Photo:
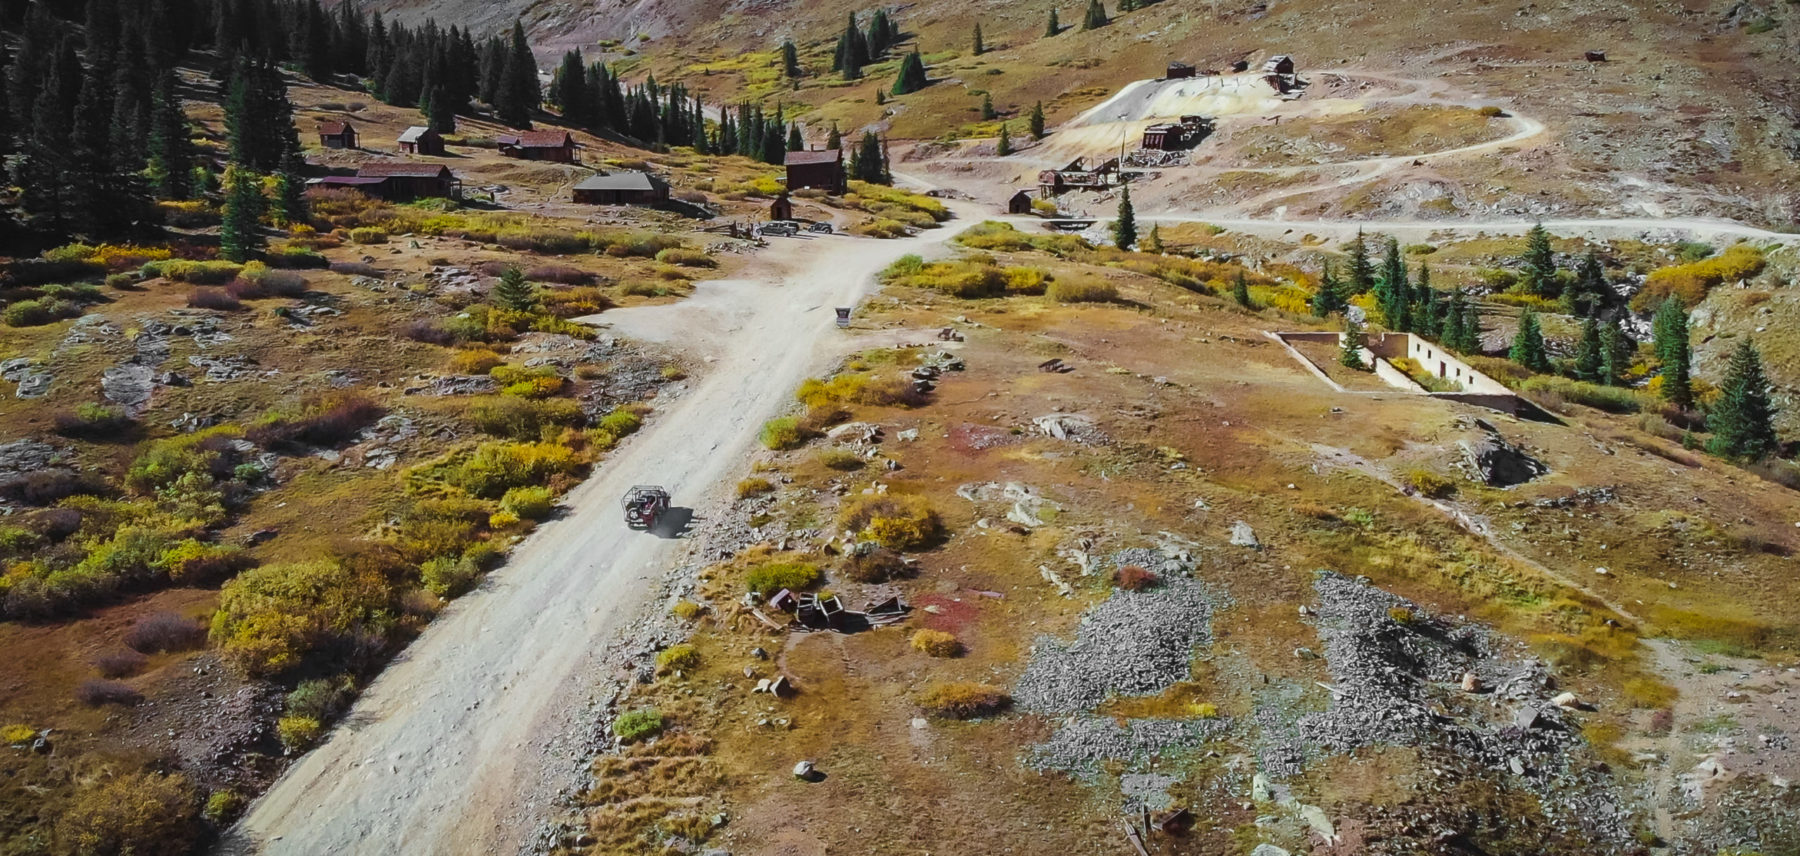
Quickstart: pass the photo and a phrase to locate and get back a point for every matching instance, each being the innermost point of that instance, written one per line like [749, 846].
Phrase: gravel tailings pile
[1083, 743]
[1134, 643]
[1396, 674]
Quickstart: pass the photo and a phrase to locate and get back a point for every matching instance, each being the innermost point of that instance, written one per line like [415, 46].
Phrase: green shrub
[686, 258]
[27, 313]
[635, 725]
[1430, 484]
[193, 272]
[842, 460]
[223, 806]
[621, 422]
[767, 579]
[1550, 390]
[319, 698]
[782, 434]
[518, 418]
[495, 467]
[368, 235]
[270, 618]
[678, 658]
[449, 576]
[530, 502]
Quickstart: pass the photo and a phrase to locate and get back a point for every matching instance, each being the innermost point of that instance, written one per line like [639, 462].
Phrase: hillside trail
[458, 747]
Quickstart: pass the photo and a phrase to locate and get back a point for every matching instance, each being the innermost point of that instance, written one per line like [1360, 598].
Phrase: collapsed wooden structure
[1076, 176]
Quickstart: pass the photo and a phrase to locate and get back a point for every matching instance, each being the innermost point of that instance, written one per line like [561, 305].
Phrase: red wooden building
[337, 135]
[555, 146]
[823, 169]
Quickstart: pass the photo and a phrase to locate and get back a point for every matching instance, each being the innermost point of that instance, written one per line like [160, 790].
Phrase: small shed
[420, 140]
[1179, 70]
[555, 146]
[820, 168]
[337, 135]
[782, 208]
[1020, 203]
[1279, 64]
[622, 188]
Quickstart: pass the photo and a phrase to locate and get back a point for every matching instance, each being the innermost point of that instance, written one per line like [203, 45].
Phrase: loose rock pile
[1497, 463]
[1083, 743]
[1135, 643]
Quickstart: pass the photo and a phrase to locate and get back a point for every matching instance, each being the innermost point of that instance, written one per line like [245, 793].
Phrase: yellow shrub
[682, 658]
[894, 521]
[136, 813]
[1083, 290]
[963, 700]
[782, 434]
[1690, 282]
[1025, 280]
[1430, 484]
[298, 732]
[936, 643]
[502, 519]
[474, 362]
[686, 610]
[368, 235]
[754, 486]
[17, 734]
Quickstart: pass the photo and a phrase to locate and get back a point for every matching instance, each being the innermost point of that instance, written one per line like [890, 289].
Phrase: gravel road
[453, 748]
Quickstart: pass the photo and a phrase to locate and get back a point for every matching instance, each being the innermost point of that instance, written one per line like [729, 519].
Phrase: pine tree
[517, 96]
[1393, 293]
[1359, 272]
[1589, 294]
[1451, 333]
[1037, 121]
[1528, 344]
[239, 235]
[1471, 329]
[1095, 17]
[790, 60]
[1669, 330]
[1590, 357]
[852, 51]
[512, 292]
[794, 141]
[1426, 317]
[1328, 298]
[1125, 227]
[882, 34]
[1152, 243]
[1615, 353]
[1240, 291]
[978, 47]
[1054, 27]
[912, 75]
[1743, 422]
[290, 198]
[987, 107]
[1003, 146]
[1537, 273]
[1350, 345]
[871, 164]
[835, 139]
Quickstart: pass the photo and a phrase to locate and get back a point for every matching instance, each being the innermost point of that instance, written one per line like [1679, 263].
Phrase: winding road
[452, 750]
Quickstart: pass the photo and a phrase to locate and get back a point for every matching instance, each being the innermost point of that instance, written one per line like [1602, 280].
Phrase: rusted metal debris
[1056, 366]
[811, 612]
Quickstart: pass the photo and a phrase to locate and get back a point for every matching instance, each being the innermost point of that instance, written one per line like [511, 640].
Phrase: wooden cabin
[1020, 203]
[337, 135]
[622, 188]
[420, 140]
[822, 169]
[554, 146]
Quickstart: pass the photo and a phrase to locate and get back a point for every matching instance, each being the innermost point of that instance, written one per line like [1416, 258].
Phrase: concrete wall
[1433, 358]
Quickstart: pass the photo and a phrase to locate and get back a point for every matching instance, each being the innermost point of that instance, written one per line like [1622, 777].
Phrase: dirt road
[448, 750]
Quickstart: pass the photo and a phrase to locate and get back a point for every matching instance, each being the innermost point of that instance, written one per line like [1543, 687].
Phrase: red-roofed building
[823, 169]
[555, 146]
[337, 135]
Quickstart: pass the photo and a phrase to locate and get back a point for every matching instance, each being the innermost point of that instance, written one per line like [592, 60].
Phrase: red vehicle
[644, 505]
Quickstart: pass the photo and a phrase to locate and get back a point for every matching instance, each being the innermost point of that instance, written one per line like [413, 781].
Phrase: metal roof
[621, 181]
[414, 133]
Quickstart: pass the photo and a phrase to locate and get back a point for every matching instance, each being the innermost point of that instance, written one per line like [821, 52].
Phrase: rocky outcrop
[1491, 460]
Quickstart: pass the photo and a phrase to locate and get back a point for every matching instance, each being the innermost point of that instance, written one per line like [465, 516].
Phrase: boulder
[1243, 536]
[1497, 463]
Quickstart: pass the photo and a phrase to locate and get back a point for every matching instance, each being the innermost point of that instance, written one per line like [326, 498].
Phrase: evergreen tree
[1240, 291]
[1743, 422]
[512, 292]
[1053, 27]
[1590, 357]
[852, 51]
[1095, 17]
[1125, 227]
[239, 235]
[1003, 146]
[1037, 121]
[1328, 298]
[794, 141]
[1152, 243]
[882, 35]
[1427, 309]
[987, 107]
[569, 89]
[1670, 342]
[912, 75]
[790, 60]
[1359, 272]
[518, 96]
[1350, 345]
[979, 47]
[835, 139]
[871, 164]
[1471, 329]
[1615, 353]
[1590, 291]
[1393, 293]
[1528, 344]
[1451, 333]
[290, 197]
[1537, 272]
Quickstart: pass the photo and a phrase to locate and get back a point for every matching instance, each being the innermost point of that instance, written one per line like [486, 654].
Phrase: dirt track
[450, 750]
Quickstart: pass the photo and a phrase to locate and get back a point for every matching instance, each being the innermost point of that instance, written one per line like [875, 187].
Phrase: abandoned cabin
[782, 208]
[555, 146]
[337, 135]
[1174, 136]
[420, 140]
[622, 188]
[1179, 70]
[399, 182]
[822, 169]
[1279, 64]
[1076, 176]
[1020, 203]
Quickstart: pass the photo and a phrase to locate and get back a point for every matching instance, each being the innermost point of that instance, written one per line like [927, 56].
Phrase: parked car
[820, 228]
[780, 227]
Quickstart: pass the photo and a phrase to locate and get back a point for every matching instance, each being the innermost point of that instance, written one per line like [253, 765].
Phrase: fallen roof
[815, 156]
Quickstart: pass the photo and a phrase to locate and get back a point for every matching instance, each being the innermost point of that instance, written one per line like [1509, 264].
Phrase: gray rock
[33, 379]
[1497, 463]
[129, 385]
[1243, 536]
